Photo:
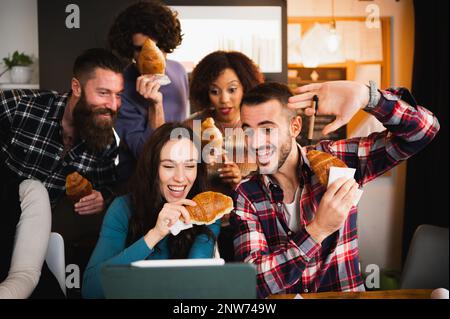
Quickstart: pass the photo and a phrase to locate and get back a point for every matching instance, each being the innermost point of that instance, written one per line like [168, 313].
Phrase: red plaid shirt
[292, 262]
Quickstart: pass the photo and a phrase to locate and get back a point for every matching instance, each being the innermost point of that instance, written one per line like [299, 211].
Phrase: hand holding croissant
[167, 217]
[333, 209]
[336, 201]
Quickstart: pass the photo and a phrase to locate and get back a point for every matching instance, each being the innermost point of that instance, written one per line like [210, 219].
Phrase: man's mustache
[104, 111]
[262, 148]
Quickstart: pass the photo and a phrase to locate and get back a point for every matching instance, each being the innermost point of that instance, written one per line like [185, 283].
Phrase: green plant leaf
[17, 59]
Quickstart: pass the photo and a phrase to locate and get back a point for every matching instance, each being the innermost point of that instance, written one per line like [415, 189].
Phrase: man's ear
[76, 87]
[296, 126]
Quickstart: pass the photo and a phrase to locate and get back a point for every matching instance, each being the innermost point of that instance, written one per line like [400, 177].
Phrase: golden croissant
[321, 162]
[151, 60]
[77, 187]
[213, 135]
[211, 206]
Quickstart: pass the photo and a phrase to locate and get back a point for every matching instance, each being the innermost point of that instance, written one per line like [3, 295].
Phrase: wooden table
[383, 294]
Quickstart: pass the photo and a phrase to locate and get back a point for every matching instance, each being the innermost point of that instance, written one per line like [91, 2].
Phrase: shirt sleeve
[105, 175]
[132, 125]
[409, 128]
[110, 248]
[8, 105]
[203, 246]
[277, 269]
[188, 104]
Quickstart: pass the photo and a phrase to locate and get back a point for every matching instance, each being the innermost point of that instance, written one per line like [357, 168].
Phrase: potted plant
[19, 66]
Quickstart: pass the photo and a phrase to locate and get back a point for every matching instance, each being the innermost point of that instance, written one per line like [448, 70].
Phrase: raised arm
[136, 122]
[409, 127]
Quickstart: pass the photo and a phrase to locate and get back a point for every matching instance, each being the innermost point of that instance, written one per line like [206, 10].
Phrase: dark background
[427, 195]
[59, 46]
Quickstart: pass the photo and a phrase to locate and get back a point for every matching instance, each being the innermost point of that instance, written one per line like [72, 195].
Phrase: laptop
[180, 279]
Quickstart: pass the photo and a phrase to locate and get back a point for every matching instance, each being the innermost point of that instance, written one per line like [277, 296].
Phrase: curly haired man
[143, 109]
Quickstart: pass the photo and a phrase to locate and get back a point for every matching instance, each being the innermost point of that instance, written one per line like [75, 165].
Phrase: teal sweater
[111, 250]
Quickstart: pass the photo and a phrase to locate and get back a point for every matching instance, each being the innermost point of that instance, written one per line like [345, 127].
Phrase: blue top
[131, 124]
[111, 250]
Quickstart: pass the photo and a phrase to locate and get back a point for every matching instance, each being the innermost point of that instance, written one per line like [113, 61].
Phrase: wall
[382, 205]
[18, 31]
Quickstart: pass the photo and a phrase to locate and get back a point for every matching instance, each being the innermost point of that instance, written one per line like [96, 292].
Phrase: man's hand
[333, 209]
[340, 98]
[90, 204]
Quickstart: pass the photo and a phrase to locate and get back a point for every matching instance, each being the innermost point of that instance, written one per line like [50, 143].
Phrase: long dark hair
[212, 65]
[147, 200]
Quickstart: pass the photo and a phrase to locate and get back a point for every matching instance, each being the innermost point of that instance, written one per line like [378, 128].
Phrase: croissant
[213, 135]
[77, 187]
[321, 162]
[211, 206]
[151, 60]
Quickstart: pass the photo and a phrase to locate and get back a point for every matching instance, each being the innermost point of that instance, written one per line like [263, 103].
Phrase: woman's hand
[230, 174]
[167, 217]
[148, 87]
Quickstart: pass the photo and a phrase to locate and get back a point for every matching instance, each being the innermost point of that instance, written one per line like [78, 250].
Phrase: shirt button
[289, 233]
[279, 204]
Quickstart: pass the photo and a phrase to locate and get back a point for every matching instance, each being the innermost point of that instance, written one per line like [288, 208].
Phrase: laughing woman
[137, 226]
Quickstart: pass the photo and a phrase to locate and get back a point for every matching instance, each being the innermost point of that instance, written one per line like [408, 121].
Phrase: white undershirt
[292, 212]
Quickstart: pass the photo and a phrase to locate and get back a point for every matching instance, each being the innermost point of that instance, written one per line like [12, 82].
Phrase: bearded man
[46, 136]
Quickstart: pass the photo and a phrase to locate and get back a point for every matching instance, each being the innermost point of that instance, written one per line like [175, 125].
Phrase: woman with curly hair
[142, 108]
[137, 226]
[218, 83]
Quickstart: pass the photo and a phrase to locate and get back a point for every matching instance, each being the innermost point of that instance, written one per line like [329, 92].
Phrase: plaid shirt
[32, 146]
[292, 262]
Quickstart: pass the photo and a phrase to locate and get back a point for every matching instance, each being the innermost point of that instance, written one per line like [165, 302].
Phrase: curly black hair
[152, 18]
[212, 65]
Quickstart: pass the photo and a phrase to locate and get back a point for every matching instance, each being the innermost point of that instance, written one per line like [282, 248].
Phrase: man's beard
[285, 150]
[96, 132]
[283, 153]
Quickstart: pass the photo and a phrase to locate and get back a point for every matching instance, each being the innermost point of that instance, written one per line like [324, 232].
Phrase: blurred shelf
[12, 86]
[336, 65]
